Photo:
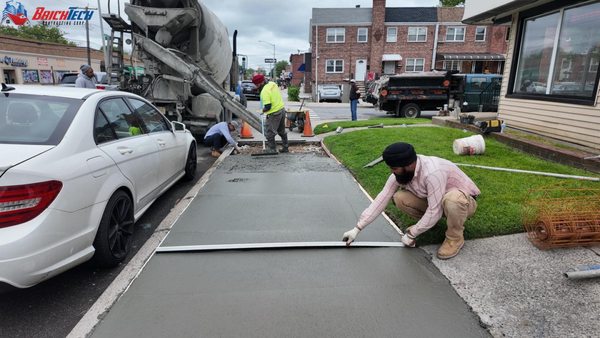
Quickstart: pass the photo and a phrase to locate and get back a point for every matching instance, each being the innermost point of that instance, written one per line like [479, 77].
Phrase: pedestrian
[86, 79]
[220, 134]
[426, 188]
[273, 108]
[354, 96]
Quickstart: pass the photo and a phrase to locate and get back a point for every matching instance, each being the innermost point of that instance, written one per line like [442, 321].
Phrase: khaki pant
[457, 205]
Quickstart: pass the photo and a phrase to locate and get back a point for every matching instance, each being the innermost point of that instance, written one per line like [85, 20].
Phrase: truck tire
[411, 110]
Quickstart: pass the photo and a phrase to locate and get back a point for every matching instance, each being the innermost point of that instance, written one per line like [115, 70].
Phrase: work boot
[450, 248]
[284, 149]
[270, 151]
[215, 153]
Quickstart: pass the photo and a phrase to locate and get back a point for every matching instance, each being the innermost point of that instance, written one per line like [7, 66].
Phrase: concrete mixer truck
[187, 59]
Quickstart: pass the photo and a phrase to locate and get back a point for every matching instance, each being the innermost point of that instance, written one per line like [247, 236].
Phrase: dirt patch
[293, 148]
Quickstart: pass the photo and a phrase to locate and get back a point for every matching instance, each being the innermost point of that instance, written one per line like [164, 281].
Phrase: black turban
[399, 154]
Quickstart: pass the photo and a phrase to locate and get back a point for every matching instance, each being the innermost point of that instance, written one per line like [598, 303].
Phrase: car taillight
[383, 92]
[100, 87]
[22, 203]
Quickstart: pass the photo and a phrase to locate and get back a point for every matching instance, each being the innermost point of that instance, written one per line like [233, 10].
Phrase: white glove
[408, 240]
[349, 236]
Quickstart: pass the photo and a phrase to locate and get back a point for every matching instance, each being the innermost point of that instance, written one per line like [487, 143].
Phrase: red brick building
[365, 43]
[296, 66]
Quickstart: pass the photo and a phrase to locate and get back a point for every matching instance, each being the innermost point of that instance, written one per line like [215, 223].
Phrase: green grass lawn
[500, 206]
[331, 126]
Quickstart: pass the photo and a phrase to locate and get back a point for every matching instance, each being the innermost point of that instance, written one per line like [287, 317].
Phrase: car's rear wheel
[115, 232]
[411, 110]
[191, 163]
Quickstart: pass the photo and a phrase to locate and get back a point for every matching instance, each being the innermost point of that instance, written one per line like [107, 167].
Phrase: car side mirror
[178, 126]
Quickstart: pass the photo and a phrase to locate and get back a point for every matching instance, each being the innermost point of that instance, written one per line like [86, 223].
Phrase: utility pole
[87, 32]
[87, 38]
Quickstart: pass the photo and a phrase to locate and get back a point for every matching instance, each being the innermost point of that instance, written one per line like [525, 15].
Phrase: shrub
[293, 93]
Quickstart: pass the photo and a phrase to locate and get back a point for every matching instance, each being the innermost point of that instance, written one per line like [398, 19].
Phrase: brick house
[365, 43]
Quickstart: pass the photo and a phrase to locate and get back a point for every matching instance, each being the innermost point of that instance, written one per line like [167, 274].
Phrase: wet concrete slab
[371, 292]
[284, 199]
[300, 292]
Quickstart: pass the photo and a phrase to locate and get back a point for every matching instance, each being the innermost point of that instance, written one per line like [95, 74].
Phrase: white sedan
[78, 167]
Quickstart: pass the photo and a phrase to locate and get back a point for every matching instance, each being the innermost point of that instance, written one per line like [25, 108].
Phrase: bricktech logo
[14, 12]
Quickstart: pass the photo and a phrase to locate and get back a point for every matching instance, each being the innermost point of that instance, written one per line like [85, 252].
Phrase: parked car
[78, 168]
[330, 92]
[68, 80]
[250, 90]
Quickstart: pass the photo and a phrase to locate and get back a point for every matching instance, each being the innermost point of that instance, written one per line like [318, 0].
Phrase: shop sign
[42, 61]
[15, 62]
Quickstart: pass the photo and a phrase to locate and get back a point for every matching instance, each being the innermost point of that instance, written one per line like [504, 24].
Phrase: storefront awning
[472, 56]
[302, 68]
[391, 57]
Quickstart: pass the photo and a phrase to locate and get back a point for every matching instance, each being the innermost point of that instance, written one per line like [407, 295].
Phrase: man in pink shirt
[426, 188]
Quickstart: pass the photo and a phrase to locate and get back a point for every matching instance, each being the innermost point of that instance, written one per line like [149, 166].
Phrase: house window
[392, 34]
[480, 33]
[334, 66]
[415, 65]
[417, 34]
[336, 35]
[362, 35]
[455, 34]
[557, 54]
[452, 65]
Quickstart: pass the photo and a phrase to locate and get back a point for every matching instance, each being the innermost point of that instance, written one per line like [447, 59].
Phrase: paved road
[53, 308]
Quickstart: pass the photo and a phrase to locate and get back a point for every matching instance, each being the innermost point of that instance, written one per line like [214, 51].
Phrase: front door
[360, 70]
[389, 67]
[9, 76]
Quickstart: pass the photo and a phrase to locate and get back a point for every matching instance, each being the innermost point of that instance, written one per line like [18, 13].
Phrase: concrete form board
[354, 292]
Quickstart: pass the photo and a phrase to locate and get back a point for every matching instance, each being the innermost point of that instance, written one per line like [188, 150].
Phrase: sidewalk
[307, 291]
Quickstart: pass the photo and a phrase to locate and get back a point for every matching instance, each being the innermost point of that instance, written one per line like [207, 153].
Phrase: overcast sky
[282, 23]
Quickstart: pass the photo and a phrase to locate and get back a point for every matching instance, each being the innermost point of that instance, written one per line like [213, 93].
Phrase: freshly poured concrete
[335, 292]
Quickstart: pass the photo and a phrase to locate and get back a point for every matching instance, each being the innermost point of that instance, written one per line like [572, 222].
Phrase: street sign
[270, 60]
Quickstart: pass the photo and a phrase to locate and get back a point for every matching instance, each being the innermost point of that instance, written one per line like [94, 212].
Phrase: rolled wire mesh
[556, 217]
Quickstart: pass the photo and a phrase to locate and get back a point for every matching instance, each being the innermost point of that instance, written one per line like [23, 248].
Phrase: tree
[451, 3]
[280, 67]
[37, 32]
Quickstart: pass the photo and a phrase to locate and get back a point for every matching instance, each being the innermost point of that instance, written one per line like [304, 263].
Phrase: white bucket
[472, 145]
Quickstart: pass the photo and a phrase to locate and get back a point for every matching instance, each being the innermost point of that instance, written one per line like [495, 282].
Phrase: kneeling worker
[218, 135]
[426, 188]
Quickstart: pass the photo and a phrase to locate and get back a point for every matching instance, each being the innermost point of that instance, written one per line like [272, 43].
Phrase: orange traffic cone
[246, 131]
[308, 132]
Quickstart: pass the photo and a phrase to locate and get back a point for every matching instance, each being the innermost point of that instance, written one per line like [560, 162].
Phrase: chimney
[378, 12]
[377, 40]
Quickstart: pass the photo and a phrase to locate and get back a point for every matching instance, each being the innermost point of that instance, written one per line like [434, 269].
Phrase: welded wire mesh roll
[565, 218]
